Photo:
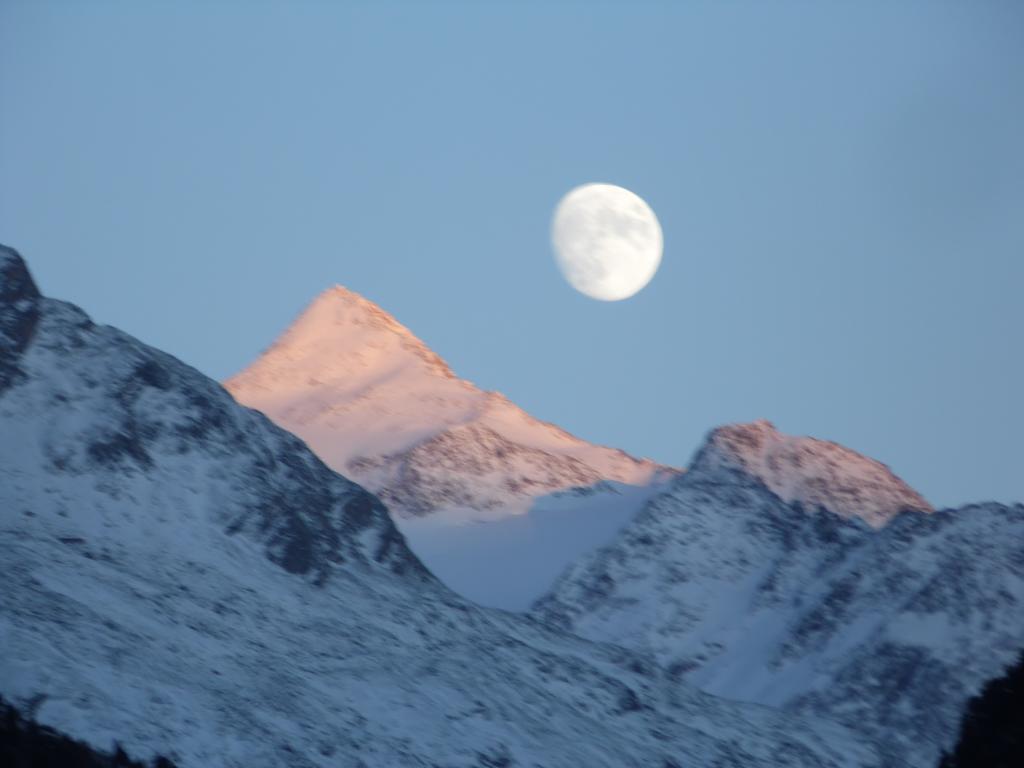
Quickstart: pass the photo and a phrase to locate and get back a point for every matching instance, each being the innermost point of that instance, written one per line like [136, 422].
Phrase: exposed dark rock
[26, 744]
[19, 313]
[992, 731]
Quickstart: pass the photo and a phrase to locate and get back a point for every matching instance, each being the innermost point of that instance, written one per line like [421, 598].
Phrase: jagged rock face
[18, 294]
[184, 576]
[805, 608]
[374, 402]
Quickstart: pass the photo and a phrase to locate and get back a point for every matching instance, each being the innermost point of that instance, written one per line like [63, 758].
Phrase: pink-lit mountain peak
[813, 472]
[342, 331]
[376, 403]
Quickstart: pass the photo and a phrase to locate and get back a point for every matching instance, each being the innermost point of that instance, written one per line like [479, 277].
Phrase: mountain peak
[341, 339]
[339, 308]
[353, 307]
[374, 401]
[815, 473]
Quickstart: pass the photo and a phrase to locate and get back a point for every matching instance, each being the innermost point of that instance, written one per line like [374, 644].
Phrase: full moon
[607, 241]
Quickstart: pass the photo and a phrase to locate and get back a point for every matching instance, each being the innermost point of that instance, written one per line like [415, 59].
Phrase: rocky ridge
[767, 574]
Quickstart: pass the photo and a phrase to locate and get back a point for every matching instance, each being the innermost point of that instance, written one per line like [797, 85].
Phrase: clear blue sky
[841, 188]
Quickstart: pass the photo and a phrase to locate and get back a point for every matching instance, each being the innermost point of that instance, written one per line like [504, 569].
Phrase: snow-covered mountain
[795, 573]
[184, 576]
[374, 403]
[811, 473]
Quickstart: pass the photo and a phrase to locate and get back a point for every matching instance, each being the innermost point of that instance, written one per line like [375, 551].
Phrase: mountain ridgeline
[185, 577]
[794, 573]
[377, 404]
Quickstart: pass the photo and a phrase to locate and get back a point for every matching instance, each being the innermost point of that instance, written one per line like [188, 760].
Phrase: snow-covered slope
[768, 573]
[183, 575]
[467, 474]
[511, 562]
[374, 402]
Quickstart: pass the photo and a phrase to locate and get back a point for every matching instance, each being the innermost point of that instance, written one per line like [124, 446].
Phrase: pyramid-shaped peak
[340, 306]
[342, 315]
[341, 335]
[816, 473]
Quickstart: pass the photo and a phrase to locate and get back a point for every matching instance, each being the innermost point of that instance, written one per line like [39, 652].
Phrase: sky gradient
[840, 186]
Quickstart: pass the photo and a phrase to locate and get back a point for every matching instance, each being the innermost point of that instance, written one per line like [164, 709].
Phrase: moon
[607, 241]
